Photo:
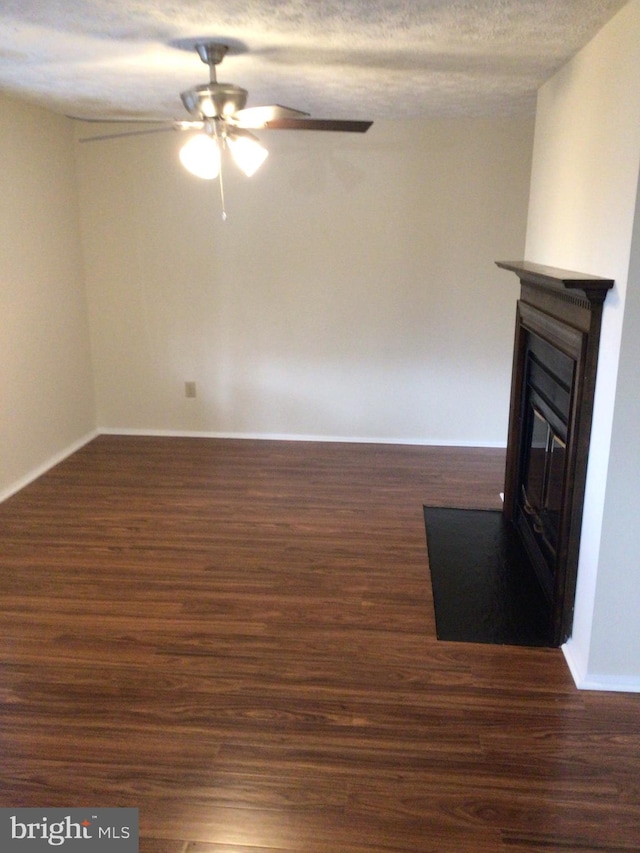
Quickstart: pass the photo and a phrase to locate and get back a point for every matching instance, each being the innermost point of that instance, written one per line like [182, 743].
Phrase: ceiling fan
[224, 122]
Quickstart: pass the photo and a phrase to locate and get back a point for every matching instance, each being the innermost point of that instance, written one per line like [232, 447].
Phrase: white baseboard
[288, 437]
[589, 681]
[46, 466]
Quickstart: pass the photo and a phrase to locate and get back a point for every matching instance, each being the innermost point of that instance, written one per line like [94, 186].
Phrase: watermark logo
[69, 830]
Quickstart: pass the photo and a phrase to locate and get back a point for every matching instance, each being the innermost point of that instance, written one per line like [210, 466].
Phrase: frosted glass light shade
[201, 156]
[247, 151]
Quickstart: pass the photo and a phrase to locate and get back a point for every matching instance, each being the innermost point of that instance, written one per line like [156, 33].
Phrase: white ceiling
[365, 59]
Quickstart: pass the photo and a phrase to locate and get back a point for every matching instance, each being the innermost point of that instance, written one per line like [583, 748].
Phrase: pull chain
[221, 148]
[224, 211]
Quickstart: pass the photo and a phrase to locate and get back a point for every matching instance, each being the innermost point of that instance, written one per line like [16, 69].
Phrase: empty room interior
[229, 403]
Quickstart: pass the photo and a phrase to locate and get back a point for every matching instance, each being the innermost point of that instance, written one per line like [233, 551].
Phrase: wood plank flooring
[238, 638]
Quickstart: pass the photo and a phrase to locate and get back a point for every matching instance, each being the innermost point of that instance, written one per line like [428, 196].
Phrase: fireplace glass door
[543, 454]
[543, 480]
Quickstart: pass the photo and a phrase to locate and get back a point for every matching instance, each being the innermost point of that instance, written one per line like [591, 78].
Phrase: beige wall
[46, 388]
[582, 211]
[351, 293]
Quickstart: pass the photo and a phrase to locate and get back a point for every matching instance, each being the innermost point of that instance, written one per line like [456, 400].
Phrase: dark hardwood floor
[238, 638]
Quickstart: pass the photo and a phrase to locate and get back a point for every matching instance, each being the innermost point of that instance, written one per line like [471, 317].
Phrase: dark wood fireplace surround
[555, 359]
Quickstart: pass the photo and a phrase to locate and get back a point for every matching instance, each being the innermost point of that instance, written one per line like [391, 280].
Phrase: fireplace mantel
[590, 286]
[557, 336]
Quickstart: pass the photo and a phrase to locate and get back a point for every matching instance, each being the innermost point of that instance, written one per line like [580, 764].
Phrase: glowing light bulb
[249, 154]
[201, 156]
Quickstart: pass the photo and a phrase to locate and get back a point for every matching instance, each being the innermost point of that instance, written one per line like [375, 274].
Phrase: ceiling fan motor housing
[214, 100]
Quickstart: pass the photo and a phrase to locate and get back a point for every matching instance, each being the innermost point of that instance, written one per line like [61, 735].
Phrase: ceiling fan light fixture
[247, 151]
[200, 155]
[214, 99]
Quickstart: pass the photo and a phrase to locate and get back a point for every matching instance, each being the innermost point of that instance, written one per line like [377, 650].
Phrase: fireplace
[555, 356]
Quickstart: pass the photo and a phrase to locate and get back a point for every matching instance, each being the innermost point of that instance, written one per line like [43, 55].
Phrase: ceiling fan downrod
[212, 53]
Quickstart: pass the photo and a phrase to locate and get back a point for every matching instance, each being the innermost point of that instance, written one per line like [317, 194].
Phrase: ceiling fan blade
[127, 133]
[174, 125]
[257, 117]
[117, 120]
[318, 124]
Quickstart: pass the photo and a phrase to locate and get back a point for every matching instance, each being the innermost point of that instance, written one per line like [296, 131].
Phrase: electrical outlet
[189, 389]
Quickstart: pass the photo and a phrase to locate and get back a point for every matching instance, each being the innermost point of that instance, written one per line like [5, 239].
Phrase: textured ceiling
[368, 59]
